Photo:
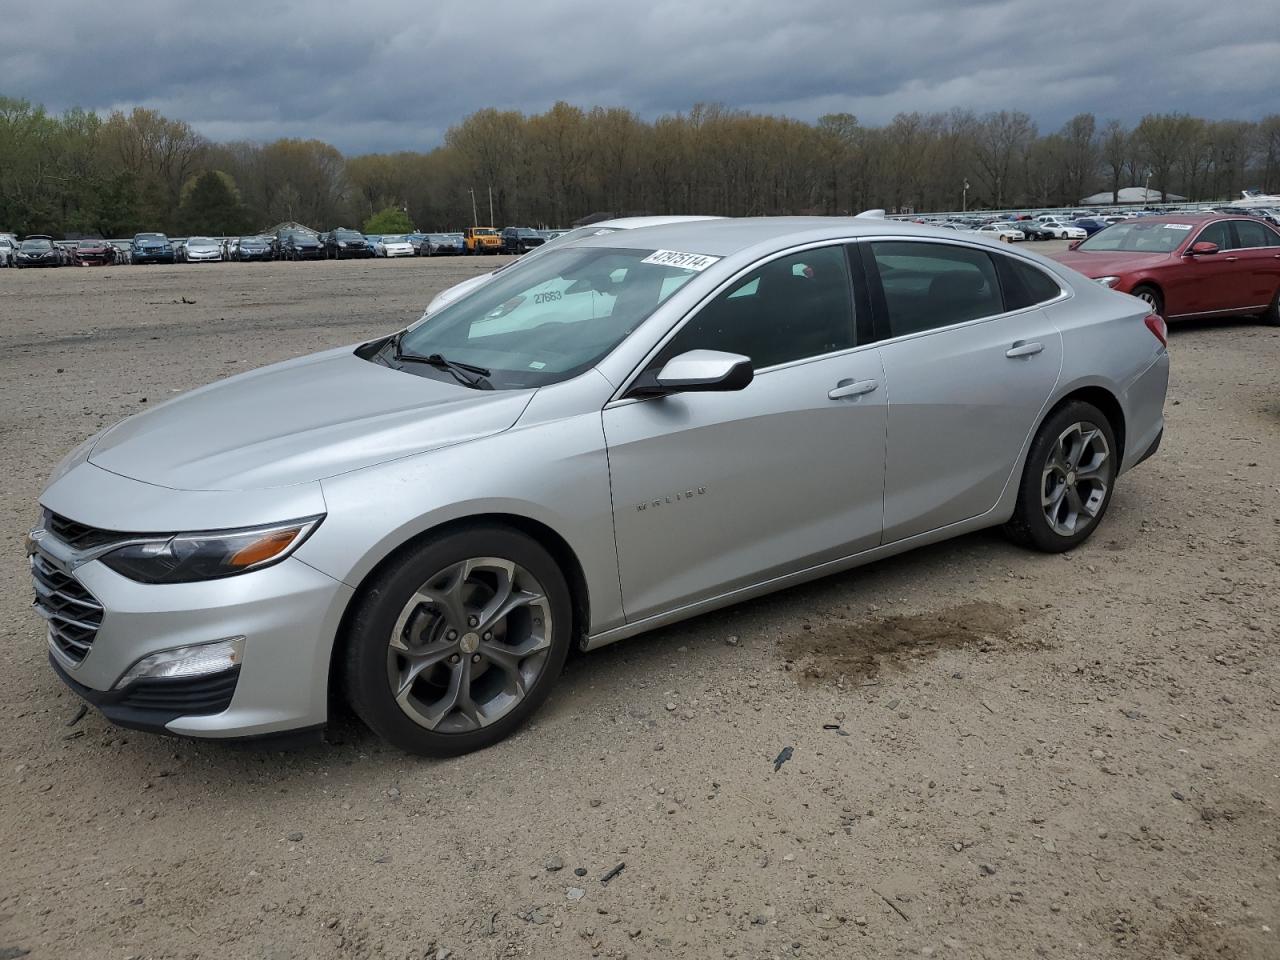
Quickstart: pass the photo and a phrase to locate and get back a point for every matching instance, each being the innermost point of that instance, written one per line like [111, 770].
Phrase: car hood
[299, 421]
[1110, 263]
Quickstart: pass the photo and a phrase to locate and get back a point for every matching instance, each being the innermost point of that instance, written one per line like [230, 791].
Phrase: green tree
[389, 220]
[212, 205]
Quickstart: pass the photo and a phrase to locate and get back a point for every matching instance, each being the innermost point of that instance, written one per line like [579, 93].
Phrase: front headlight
[188, 557]
[1107, 281]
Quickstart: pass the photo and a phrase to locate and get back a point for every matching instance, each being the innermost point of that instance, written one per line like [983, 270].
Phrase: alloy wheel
[469, 644]
[1147, 297]
[1075, 479]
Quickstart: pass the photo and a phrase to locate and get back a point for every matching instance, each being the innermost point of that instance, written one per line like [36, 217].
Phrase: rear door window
[932, 285]
[1252, 233]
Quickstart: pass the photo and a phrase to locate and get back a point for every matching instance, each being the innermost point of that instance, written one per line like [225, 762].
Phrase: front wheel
[1150, 296]
[453, 647]
[1067, 481]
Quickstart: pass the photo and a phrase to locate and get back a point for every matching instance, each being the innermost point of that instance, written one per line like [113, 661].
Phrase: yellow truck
[480, 240]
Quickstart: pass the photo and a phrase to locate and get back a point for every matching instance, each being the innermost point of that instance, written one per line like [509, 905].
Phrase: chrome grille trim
[72, 612]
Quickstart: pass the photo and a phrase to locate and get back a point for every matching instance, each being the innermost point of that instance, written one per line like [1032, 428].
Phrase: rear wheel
[1067, 481]
[1151, 296]
[456, 645]
[1272, 316]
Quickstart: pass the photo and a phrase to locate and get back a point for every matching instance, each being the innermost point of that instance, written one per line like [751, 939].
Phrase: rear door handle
[1022, 349]
[855, 388]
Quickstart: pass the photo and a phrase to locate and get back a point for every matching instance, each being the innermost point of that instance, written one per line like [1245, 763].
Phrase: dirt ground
[993, 753]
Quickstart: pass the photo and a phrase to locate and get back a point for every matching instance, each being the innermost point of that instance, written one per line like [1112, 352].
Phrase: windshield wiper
[465, 373]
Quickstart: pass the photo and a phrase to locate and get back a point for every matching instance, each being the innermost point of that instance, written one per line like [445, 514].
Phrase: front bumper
[288, 613]
[153, 256]
[153, 704]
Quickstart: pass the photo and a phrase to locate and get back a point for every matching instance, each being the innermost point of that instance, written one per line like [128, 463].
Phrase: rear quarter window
[1025, 285]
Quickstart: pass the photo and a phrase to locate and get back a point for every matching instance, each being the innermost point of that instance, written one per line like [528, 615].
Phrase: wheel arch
[1104, 400]
[1145, 281]
[555, 544]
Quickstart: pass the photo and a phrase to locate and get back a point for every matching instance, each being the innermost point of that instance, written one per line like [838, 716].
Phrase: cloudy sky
[368, 75]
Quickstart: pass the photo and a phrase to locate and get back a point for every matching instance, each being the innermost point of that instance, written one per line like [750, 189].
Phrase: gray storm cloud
[393, 75]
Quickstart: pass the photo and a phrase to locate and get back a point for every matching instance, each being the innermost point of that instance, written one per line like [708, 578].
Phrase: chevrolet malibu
[632, 429]
[1188, 266]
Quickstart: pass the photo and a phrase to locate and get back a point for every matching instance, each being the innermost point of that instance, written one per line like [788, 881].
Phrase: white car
[1004, 232]
[201, 250]
[1064, 229]
[394, 246]
[447, 296]
[7, 249]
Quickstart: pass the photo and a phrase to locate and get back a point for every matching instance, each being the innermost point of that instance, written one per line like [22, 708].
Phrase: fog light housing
[196, 660]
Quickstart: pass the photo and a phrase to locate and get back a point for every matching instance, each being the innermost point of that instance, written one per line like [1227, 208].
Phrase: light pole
[491, 204]
[1146, 191]
[475, 217]
[964, 202]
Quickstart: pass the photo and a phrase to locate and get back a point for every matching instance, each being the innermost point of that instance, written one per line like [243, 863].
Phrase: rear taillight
[1159, 329]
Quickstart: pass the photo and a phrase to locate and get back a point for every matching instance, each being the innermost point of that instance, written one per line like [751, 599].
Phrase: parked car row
[341, 243]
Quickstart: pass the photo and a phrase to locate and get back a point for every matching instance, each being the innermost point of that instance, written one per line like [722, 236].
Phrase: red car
[88, 252]
[1200, 265]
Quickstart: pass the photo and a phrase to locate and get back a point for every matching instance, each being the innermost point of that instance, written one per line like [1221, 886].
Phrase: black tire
[1144, 291]
[1029, 526]
[365, 679]
[1272, 317]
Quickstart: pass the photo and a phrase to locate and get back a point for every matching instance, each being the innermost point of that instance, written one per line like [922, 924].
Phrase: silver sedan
[629, 430]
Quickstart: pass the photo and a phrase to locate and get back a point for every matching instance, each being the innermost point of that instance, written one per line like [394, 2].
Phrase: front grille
[186, 696]
[79, 535]
[73, 614]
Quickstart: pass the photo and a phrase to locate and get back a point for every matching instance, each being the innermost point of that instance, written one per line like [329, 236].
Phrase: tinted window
[1251, 233]
[1024, 285]
[1219, 233]
[790, 308]
[930, 285]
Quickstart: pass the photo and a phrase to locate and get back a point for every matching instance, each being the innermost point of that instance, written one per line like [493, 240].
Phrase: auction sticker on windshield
[1177, 226]
[673, 258]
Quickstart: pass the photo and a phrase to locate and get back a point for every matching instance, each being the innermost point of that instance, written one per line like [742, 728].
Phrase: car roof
[724, 237]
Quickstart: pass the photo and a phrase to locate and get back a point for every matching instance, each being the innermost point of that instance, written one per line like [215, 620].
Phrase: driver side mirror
[1074, 244]
[697, 371]
[1202, 248]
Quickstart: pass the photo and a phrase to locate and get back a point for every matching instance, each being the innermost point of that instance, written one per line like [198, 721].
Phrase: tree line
[84, 173]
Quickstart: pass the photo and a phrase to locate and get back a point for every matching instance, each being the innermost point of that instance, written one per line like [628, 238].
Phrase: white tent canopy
[1133, 195]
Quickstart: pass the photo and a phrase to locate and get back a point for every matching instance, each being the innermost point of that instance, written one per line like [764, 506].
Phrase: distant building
[290, 226]
[1132, 195]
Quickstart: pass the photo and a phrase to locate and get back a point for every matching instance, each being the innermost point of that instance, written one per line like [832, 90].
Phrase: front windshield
[347, 235]
[199, 240]
[36, 246]
[485, 232]
[1137, 236]
[395, 239]
[150, 236]
[559, 243]
[548, 323]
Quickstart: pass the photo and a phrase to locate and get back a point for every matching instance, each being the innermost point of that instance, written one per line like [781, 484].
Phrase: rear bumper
[1143, 403]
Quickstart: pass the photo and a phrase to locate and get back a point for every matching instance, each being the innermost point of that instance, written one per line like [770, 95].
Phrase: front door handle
[854, 388]
[1024, 349]
[1231, 259]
